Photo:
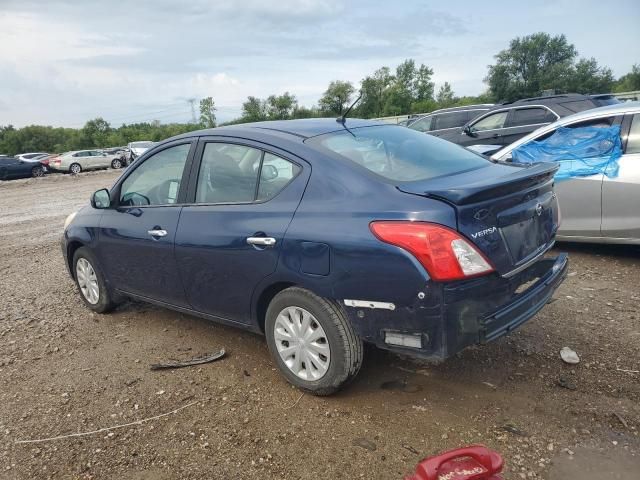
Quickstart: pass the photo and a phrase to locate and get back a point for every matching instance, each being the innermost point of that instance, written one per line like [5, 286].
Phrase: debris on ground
[565, 382]
[569, 356]
[364, 443]
[189, 363]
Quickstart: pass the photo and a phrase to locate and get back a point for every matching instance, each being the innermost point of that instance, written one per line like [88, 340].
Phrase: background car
[508, 122]
[81, 160]
[322, 236]
[597, 208]
[13, 167]
[32, 156]
[441, 122]
[119, 155]
[135, 149]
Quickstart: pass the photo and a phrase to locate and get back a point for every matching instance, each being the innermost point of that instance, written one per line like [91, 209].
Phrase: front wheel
[90, 282]
[312, 341]
[37, 171]
[75, 168]
[116, 163]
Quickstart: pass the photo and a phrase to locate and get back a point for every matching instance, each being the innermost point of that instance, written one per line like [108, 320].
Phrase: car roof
[549, 99]
[303, 128]
[593, 113]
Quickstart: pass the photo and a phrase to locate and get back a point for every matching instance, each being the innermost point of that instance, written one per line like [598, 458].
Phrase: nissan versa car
[323, 235]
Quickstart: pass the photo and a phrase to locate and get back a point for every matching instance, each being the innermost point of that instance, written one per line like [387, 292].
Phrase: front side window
[157, 180]
[398, 154]
[530, 116]
[490, 122]
[633, 140]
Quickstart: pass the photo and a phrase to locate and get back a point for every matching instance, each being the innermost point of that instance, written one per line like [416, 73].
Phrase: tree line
[529, 66]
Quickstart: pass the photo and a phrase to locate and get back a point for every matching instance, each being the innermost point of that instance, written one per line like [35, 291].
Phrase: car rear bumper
[457, 315]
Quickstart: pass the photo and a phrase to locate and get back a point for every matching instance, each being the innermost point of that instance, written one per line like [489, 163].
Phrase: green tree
[588, 77]
[629, 82]
[95, 133]
[337, 97]
[374, 89]
[254, 110]
[281, 107]
[531, 64]
[207, 113]
[445, 96]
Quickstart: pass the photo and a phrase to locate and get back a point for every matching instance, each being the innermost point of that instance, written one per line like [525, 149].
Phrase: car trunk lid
[509, 212]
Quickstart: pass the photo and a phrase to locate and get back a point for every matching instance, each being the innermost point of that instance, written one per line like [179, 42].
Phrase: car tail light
[443, 252]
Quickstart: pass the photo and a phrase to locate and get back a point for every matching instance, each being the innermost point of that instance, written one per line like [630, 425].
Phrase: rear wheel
[90, 282]
[37, 171]
[116, 163]
[312, 341]
[75, 168]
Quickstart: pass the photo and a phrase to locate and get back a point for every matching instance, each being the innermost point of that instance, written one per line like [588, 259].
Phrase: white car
[597, 208]
[138, 148]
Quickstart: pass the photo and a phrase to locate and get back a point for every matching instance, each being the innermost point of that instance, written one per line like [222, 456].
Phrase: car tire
[90, 282]
[335, 335]
[37, 171]
[75, 168]
[116, 163]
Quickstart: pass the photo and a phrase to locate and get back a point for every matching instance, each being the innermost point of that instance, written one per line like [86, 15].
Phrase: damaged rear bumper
[456, 315]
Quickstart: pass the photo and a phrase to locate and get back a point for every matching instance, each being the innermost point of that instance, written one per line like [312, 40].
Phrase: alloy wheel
[75, 168]
[37, 172]
[87, 281]
[116, 164]
[302, 343]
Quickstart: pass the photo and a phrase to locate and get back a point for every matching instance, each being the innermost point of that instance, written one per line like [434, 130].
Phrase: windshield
[398, 153]
[141, 144]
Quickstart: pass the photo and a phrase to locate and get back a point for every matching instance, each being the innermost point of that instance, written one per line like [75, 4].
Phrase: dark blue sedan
[323, 235]
[12, 167]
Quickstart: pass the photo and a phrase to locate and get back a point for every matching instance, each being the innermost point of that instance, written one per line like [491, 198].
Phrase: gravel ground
[65, 370]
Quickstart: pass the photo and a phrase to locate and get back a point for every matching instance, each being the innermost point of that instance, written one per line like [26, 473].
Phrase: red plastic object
[475, 462]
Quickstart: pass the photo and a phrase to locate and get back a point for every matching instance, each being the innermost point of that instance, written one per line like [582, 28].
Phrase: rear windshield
[398, 153]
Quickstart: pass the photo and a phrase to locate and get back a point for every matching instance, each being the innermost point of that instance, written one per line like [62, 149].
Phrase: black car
[446, 120]
[12, 167]
[508, 122]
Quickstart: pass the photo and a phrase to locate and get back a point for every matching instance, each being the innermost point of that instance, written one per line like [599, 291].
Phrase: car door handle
[261, 241]
[157, 233]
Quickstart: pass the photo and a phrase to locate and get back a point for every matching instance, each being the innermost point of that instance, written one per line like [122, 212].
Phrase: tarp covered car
[579, 151]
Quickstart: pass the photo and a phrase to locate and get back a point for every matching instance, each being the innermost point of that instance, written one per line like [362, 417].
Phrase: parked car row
[36, 164]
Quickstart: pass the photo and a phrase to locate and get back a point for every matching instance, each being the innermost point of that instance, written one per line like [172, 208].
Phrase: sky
[63, 62]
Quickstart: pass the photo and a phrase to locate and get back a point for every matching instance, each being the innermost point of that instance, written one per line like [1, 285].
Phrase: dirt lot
[66, 370]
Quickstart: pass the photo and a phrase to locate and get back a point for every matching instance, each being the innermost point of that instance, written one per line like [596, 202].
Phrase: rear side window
[530, 116]
[275, 174]
[491, 122]
[239, 174]
[579, 105]
[398, 154]
[633, 140]
[228, 174]
[157, 180]
[422, 125]
[450, 120]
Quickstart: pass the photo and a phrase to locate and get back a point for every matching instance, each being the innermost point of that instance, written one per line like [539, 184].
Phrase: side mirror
[101, 199]
[469, 131]
[269, 172]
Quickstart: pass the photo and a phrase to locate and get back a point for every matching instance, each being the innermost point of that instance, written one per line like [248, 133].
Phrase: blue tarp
[579, 151]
